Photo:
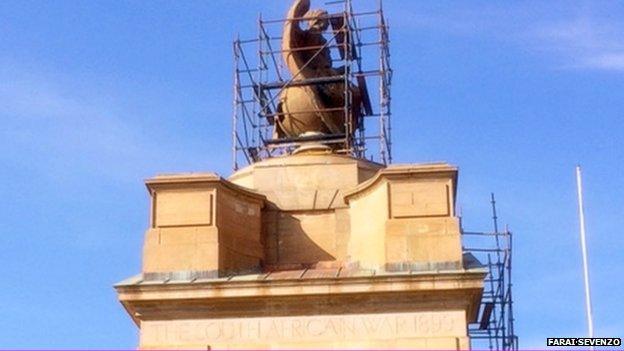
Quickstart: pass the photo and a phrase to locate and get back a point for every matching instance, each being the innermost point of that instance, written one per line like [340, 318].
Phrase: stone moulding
[226, 297]
[181, 180]
[399, 171]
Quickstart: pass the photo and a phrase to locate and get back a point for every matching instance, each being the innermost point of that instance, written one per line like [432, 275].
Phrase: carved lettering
[337, 327]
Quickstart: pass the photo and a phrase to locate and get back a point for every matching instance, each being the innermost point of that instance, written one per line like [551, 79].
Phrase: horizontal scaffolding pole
[487, 233]
[303, 82]
[320, 110]
[329, 16]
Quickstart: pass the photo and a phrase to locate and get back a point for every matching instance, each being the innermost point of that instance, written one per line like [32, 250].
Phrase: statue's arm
[293, 35]
[298, 9]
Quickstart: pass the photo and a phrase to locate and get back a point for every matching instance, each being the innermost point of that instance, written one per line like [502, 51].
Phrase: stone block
[203, 223]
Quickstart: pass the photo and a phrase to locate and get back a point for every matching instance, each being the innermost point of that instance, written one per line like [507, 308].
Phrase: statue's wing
[294, 37]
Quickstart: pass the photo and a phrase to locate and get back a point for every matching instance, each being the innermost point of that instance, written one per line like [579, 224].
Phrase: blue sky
[96, 96]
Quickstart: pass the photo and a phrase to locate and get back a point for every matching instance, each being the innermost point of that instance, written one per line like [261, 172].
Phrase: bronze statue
[317, 108]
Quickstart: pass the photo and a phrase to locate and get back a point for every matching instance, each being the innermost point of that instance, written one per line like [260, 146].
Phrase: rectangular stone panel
[183, 207]
[423, 198]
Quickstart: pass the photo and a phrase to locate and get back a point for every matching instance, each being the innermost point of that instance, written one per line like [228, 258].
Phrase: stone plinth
[313, 250]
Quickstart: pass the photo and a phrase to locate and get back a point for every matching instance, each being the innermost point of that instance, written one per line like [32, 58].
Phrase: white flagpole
[588, 306]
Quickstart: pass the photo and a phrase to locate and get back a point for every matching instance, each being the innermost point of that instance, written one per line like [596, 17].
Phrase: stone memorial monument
[311, 249]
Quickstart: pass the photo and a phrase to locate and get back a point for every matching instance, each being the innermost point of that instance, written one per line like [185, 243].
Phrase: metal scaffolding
[261, 75]
[494, 328]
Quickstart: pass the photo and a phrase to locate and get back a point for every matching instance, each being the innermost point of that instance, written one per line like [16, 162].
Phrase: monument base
[308, 251]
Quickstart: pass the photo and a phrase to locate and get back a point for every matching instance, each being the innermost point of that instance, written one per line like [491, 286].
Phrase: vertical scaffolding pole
[235, 108]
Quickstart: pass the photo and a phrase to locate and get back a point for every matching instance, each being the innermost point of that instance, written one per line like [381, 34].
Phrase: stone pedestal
[313, 250]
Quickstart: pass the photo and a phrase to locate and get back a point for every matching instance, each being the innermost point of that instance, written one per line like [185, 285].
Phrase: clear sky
[96, 96]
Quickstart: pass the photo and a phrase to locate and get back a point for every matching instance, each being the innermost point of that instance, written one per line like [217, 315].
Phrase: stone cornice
[139, 297]
[405, 170]
[186, 179]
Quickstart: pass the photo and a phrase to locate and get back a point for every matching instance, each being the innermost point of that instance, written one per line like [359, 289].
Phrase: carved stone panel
[183, 207]
[424, 198]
